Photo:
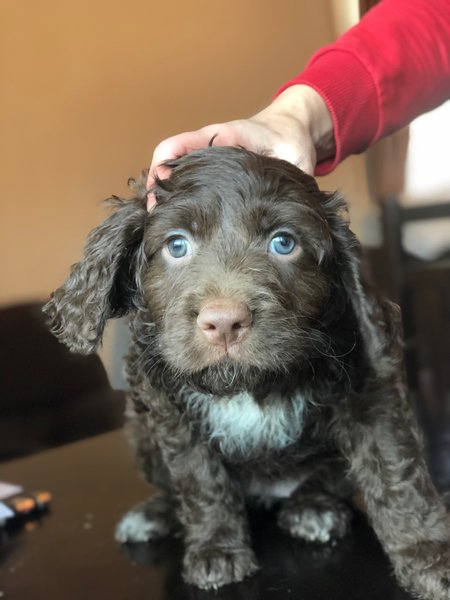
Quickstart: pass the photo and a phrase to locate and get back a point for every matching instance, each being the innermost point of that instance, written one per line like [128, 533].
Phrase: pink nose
[224, 323]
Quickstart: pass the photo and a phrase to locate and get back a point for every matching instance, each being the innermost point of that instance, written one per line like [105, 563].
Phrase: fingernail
[151, 201]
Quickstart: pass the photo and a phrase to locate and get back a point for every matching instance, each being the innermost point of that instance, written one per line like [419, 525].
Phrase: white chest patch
[240, 425]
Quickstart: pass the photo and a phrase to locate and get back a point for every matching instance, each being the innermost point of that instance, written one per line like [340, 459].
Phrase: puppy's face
[234, 281]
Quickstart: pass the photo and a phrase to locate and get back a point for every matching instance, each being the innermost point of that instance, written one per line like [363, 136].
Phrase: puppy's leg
[315, 517]
[211, 504]
[152, 519]
[316, 511]
[156, 517]
[380, 438]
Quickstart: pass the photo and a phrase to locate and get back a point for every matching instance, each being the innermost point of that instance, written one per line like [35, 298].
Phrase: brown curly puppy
[261, 367]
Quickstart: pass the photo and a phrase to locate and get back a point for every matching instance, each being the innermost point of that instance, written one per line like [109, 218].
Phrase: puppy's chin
[228, 377]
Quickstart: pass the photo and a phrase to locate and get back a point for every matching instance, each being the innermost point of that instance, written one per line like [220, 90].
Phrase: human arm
[296, 127]
[376, 78]
[389, 68]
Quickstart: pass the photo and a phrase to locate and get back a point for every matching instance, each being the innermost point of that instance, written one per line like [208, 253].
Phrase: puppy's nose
[224, 323]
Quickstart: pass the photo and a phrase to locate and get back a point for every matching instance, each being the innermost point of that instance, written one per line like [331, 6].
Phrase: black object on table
[70, 553]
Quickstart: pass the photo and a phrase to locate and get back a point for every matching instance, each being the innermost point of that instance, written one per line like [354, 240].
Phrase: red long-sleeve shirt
[391, 67]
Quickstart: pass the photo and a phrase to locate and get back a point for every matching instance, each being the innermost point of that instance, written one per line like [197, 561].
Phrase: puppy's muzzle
[224, 323]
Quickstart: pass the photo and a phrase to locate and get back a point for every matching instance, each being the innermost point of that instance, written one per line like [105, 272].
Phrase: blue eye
[282, 243]
[178, 247]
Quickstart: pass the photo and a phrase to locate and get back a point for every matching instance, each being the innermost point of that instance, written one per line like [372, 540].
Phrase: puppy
[261, 367]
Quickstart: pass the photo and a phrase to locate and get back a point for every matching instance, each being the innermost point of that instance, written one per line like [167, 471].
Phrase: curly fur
[308, 407]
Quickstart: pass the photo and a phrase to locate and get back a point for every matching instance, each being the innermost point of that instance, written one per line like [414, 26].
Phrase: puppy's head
[234, 281]
[241, 269]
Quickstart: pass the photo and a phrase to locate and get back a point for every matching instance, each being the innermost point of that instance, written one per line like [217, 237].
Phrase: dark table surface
[70, 553]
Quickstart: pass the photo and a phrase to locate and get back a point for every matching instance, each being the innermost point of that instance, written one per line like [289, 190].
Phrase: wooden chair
[422, 288]
[48, 396]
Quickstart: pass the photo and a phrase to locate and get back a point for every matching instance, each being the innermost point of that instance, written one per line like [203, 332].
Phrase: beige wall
[89, 87]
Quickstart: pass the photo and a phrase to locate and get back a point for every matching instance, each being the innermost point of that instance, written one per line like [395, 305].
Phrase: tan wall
[89, 87]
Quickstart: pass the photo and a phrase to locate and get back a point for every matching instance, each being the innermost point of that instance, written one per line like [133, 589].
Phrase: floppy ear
[378, 319]
[104, 283]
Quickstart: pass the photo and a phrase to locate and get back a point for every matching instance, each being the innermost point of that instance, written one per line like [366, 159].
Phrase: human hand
[296, 127]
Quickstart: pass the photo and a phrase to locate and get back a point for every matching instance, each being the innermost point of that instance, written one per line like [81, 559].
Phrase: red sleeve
[391, 67]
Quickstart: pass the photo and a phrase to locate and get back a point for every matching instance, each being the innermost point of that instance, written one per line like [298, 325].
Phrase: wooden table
[70, 553]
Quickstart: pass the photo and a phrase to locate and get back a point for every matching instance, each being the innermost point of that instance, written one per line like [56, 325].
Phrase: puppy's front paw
[212, 567]
[425, 570]
[317, 518]
[149, 520]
